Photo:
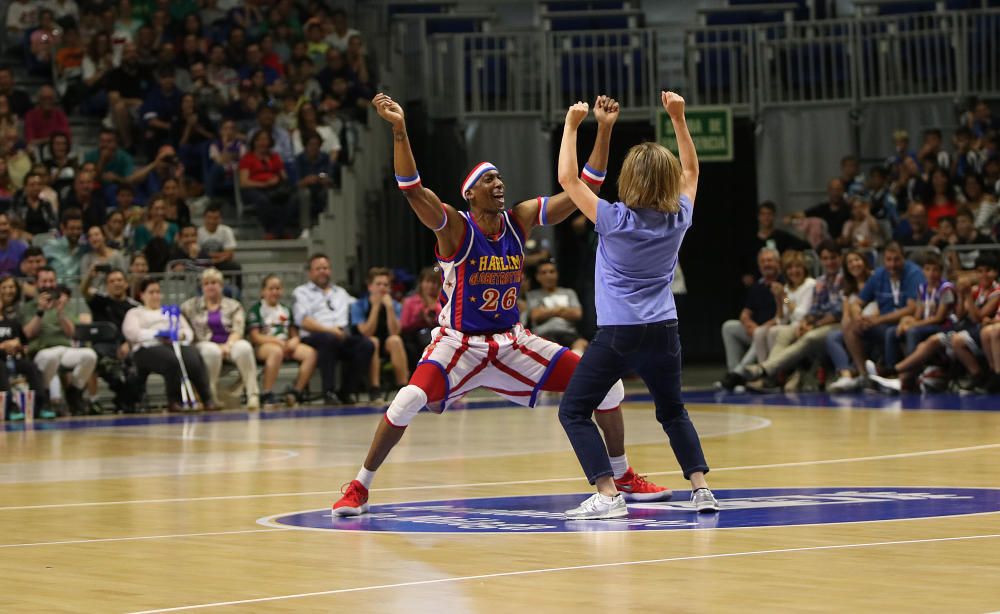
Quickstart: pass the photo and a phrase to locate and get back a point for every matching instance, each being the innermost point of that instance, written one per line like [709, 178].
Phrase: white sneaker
[846, 384]
[599, 507]
[704, 501]
[888, 383]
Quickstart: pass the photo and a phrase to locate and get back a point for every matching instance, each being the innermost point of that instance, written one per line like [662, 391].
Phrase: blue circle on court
[742, 508]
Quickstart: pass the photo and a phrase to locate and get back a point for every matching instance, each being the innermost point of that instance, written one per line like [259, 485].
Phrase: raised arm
[674, 106]
[559, 207]
[581, 195]
[432, 213]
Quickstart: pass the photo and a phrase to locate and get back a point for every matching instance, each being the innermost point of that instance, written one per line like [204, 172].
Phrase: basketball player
[480, 341]
[636, 316]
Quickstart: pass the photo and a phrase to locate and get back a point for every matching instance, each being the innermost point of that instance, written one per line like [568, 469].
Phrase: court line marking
[526, 572]
[830, 461]
[271, 521]
[137, 538]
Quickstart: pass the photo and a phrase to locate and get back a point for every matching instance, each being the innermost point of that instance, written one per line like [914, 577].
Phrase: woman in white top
[146, 329]
[793, 299]
[309, 122]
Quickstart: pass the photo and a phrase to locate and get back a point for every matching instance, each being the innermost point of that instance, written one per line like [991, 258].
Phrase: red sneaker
[354, 502]
[637, 488]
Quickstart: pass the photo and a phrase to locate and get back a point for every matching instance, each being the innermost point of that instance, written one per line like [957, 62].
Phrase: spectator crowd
[889, 283]
[201, 104]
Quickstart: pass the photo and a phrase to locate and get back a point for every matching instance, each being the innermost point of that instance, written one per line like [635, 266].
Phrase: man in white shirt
[21, 17]
[217, 242]
[322, 313]
[341, 33]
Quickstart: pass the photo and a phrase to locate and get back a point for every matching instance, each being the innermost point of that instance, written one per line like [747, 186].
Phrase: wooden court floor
[164, 517]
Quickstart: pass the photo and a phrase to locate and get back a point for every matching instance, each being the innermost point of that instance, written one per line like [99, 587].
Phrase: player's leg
[657, 360]
[609, 419]
[598, 370]
[429, 384]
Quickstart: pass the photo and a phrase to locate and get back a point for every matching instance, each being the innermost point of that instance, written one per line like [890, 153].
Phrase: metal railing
[897, 57]
[538, 73]
[748, 67]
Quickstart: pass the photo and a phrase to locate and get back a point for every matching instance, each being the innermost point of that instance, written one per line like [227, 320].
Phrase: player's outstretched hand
[388, 109]
[673, 104]
[606, 110]
[576, 114]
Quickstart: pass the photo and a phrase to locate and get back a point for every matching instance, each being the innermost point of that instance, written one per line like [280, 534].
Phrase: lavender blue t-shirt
[636, 258]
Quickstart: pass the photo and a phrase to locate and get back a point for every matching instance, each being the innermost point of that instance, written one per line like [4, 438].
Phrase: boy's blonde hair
[651, 179]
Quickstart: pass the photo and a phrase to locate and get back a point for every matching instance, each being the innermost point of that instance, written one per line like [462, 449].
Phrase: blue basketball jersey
[482, 280]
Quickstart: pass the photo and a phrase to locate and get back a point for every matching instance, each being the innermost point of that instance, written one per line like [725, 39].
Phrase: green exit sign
[711, 130]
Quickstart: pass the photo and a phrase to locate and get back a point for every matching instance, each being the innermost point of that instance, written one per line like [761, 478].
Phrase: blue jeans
[653, 351]
[913, 337]
[879, 337]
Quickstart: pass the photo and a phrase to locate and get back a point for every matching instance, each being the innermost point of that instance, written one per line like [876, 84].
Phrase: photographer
[150, 179]
[49, 324]
[111, 305]
[98, 261]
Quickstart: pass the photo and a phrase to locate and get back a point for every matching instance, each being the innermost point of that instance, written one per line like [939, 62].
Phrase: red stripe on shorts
[511, 372]
[494, 348]
[433, 344]
[458, 354]
[531, 354]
